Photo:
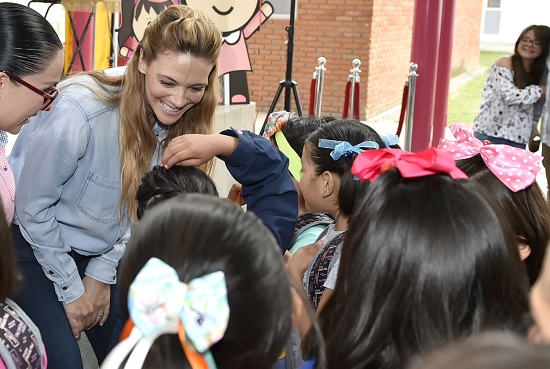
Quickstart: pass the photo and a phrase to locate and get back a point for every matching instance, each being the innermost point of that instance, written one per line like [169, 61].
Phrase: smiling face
[228, 15]
[527, 46]
[18, 103]
[174, 83]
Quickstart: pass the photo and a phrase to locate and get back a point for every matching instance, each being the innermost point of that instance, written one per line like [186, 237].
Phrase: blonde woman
[78, 167]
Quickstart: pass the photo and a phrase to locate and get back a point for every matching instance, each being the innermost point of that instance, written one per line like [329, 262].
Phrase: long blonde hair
[179, 29]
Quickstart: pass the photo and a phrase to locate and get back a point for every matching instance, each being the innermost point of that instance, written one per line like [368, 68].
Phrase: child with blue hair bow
[328, 186]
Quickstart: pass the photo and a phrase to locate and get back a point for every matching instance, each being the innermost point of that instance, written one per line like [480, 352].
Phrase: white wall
[56, 15]
[515, 15]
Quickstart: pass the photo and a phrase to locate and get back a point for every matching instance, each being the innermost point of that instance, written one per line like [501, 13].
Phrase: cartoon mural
[136, 15]
[238, 20]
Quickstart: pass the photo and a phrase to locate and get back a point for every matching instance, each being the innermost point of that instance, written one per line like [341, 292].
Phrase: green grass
[464, 102]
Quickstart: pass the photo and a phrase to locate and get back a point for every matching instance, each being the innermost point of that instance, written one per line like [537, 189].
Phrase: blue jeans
[36, 296]
[498, 140]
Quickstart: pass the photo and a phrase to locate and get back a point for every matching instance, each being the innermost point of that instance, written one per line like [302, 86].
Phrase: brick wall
[466, 34]
[378, 32]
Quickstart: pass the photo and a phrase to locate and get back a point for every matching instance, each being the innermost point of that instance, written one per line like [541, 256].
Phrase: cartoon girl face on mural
[238, 20]
[136, 15]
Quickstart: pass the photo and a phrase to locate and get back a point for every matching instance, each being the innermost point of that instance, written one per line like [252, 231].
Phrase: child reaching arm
[261, 169]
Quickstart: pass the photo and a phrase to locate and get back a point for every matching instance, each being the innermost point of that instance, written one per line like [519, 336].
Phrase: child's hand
[197, 149]
[302, 258]
[235, 194]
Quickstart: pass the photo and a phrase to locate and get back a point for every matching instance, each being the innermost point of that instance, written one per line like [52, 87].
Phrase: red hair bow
[371, 163]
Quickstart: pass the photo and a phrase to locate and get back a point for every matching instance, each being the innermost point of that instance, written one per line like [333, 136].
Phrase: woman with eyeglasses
[31, 64]
[513, 87]
[78, 166]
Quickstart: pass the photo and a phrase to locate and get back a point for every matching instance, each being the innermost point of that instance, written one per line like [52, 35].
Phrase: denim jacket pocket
[99, 198]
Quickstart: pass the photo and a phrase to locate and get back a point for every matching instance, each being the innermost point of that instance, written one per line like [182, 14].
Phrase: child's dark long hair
[523, 78]
[525, 211]
[425, 262]
[199, 234]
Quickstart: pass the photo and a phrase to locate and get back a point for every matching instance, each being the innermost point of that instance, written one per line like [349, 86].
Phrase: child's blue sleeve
[267, 185]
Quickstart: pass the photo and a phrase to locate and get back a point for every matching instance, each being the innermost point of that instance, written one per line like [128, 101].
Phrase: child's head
[328, 155]
[160, 184]
[489, 351]
[508, 177]
[540, 304]
[425, 261]
[197, 235]
[525, 211]
[289, 133]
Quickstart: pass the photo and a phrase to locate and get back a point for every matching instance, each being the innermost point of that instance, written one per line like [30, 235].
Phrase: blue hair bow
[390, 139]
[344, 148]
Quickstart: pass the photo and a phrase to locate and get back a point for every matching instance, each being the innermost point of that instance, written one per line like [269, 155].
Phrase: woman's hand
[542, 98]
[99, 294]
[79, 314]
[197, 149]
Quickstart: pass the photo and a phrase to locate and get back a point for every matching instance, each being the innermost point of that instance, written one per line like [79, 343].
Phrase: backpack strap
[20, 339]
[308, 220]
[321, 267]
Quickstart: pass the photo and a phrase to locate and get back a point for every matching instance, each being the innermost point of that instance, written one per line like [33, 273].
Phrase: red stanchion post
[424, 52]
[443, 71]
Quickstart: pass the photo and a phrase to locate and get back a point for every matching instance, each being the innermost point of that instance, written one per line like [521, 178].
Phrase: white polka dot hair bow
[158, 303]
[516, 168]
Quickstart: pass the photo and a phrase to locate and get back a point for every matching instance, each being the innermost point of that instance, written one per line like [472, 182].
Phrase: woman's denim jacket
[66, 164]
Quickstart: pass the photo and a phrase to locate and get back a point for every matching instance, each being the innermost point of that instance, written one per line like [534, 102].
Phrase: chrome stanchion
[354, 78]
[320, 70]
[413, 67]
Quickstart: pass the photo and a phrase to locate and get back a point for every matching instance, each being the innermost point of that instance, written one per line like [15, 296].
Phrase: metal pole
[116, 26]
[320, 80]
[354, 79]
[409, 119]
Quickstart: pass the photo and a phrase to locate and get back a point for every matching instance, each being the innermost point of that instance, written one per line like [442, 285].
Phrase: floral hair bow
[371, 164]
[344, 148]
[276, 121]
[160, 304]
[516, 168]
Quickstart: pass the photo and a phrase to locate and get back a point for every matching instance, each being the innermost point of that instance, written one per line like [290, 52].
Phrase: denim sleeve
[267, 185]
[53, 150]
[103, 268]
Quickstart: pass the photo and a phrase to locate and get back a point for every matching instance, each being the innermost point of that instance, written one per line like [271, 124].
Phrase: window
[281, 9]
[491, 25]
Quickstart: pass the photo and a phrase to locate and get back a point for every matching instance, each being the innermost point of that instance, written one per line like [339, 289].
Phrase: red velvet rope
[346, 100]
[312, 96]
[404, 103]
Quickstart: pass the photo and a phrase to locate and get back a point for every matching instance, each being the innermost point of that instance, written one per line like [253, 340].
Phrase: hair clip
[369, 165]
[159, 304]
[516, 168]
[276, 121]
[344, 148]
